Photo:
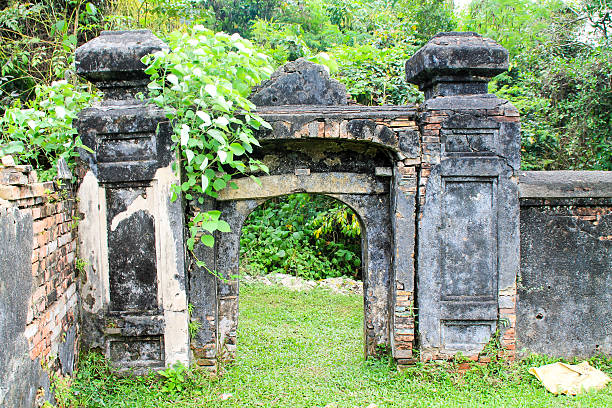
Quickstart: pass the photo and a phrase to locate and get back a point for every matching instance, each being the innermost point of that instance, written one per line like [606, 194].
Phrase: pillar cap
[456, 63]
[113, 63]
[116, 55]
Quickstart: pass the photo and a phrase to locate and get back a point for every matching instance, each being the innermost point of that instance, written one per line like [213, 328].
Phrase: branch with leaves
[203, 82]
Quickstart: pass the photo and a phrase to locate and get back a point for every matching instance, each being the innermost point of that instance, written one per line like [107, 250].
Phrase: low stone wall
[38, 282]
[565, 284]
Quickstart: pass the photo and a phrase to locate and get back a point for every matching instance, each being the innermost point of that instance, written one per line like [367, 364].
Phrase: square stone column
[468, 208]
[131, 233]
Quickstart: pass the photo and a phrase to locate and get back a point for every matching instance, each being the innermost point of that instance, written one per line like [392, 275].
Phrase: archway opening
[301, 293]
[312, 236]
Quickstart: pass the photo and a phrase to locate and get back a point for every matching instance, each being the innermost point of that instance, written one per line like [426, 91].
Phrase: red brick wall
[53, 305]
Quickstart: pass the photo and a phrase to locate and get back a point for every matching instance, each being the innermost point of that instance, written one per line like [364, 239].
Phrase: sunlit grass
[305, 349]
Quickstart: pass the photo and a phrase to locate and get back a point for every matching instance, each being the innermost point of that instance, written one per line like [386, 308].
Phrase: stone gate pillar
[131, 233]
[468, 208]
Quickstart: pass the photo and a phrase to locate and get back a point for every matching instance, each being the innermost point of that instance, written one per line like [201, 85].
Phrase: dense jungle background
[560, 78]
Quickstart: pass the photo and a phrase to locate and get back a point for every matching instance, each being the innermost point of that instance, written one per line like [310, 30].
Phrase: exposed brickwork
[53, 306]
[430, 147]
[403, 325]
[585, 209]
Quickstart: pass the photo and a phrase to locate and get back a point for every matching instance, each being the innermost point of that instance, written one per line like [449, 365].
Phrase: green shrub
[37, 43]
[40, 132]
[566, 108]
[518, 25]
[311, 236]
[375, 76]
[202, 81]
[560, 78]
[160, 16]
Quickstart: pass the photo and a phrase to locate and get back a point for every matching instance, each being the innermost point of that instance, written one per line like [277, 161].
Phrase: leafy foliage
[311, 236]
[370, 40]
[236, 16]
[175, 379]
[39, 94]
[375, 76]
[37, 42]
[517, 25]
[289, 41]
[161, 16]
[203, 82]
[560, 79]
[565, 105]
[40, 131]
[599, 15]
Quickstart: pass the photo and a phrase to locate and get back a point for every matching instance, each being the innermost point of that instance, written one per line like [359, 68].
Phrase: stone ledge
[565, 184]
[321, 183]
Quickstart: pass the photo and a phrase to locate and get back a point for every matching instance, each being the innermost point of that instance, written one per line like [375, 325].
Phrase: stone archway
[436, 186]
[362, 156]
[367, 194]
[373, 211]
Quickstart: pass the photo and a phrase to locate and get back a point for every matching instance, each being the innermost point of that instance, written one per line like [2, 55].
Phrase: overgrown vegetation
[560, 75]
[203, 82]
[37, 41]
[312, 236]
[305, 349]
[40, 132]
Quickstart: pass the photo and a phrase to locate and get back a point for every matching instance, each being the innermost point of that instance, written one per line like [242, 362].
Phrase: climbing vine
[203, 81]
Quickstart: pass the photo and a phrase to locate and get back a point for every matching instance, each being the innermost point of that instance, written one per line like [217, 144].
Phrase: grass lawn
[305, 349]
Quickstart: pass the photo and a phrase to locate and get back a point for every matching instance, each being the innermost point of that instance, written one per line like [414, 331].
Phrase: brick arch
[392, 127]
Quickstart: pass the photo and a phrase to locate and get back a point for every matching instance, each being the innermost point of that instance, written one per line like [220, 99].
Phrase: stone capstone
[456, 63]
[300, 82]
[565, 184]
[116, 55]
[112, 61]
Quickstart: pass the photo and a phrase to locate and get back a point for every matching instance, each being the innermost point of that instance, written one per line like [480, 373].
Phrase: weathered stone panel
[132, 267]
[467, 265]
[565, 284]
